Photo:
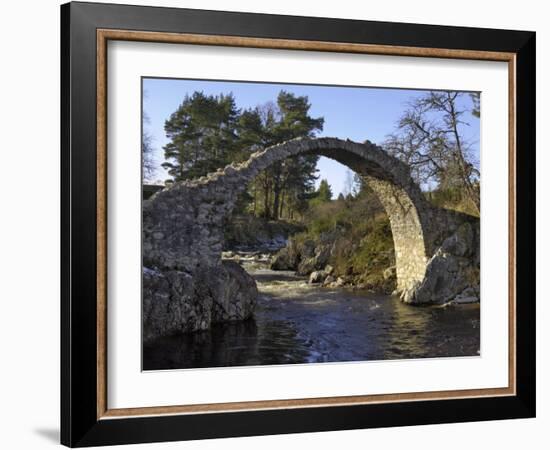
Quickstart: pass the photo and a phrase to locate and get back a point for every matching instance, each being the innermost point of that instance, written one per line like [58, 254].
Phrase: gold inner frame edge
[103, 36]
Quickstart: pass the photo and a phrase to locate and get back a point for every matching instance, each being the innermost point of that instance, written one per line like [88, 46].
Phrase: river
[296, 322]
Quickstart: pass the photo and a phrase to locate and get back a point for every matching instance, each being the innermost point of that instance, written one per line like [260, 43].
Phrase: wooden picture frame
[86, 418]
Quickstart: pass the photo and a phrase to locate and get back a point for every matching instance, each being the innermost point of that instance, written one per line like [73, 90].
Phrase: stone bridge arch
[183, 224]
[388, 177]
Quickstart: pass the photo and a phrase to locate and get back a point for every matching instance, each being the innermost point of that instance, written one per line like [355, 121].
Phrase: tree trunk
[276, 195]
[282, 204]
[255, 200]
[266, 186]
[276, 200]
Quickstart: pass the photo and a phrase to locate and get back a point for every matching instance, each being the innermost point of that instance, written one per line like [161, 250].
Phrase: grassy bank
[355, 235]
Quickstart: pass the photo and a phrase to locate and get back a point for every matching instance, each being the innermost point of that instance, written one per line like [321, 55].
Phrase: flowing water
[296, 322]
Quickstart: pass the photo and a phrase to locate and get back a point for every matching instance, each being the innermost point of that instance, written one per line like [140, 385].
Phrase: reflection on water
[298, 323]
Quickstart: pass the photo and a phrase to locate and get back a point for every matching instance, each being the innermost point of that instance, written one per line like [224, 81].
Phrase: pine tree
[295, 176]
[324, 193]
[208, 132]
[202, 135]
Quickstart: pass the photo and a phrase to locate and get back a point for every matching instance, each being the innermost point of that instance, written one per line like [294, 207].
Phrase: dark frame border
[80, 425]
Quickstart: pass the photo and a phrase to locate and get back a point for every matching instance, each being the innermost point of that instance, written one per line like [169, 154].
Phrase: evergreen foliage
[208, 132]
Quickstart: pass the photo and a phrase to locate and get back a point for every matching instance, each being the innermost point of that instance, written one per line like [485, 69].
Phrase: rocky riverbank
[333, 260]
[452, 274]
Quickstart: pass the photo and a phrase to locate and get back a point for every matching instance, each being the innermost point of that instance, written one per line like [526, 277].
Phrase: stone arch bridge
[435, 249]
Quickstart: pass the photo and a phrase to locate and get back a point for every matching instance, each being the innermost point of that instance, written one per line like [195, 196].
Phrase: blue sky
[356, 113]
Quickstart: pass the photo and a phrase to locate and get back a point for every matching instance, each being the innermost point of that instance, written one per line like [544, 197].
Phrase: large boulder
[282, 260]
[236, 294]
[175, 301]
[306, 266]
[317, 277]
[179, 302]
[317, 261]
[304, 256]
[306, 249]
[451, 273]
[289, 257]
[329, 280]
